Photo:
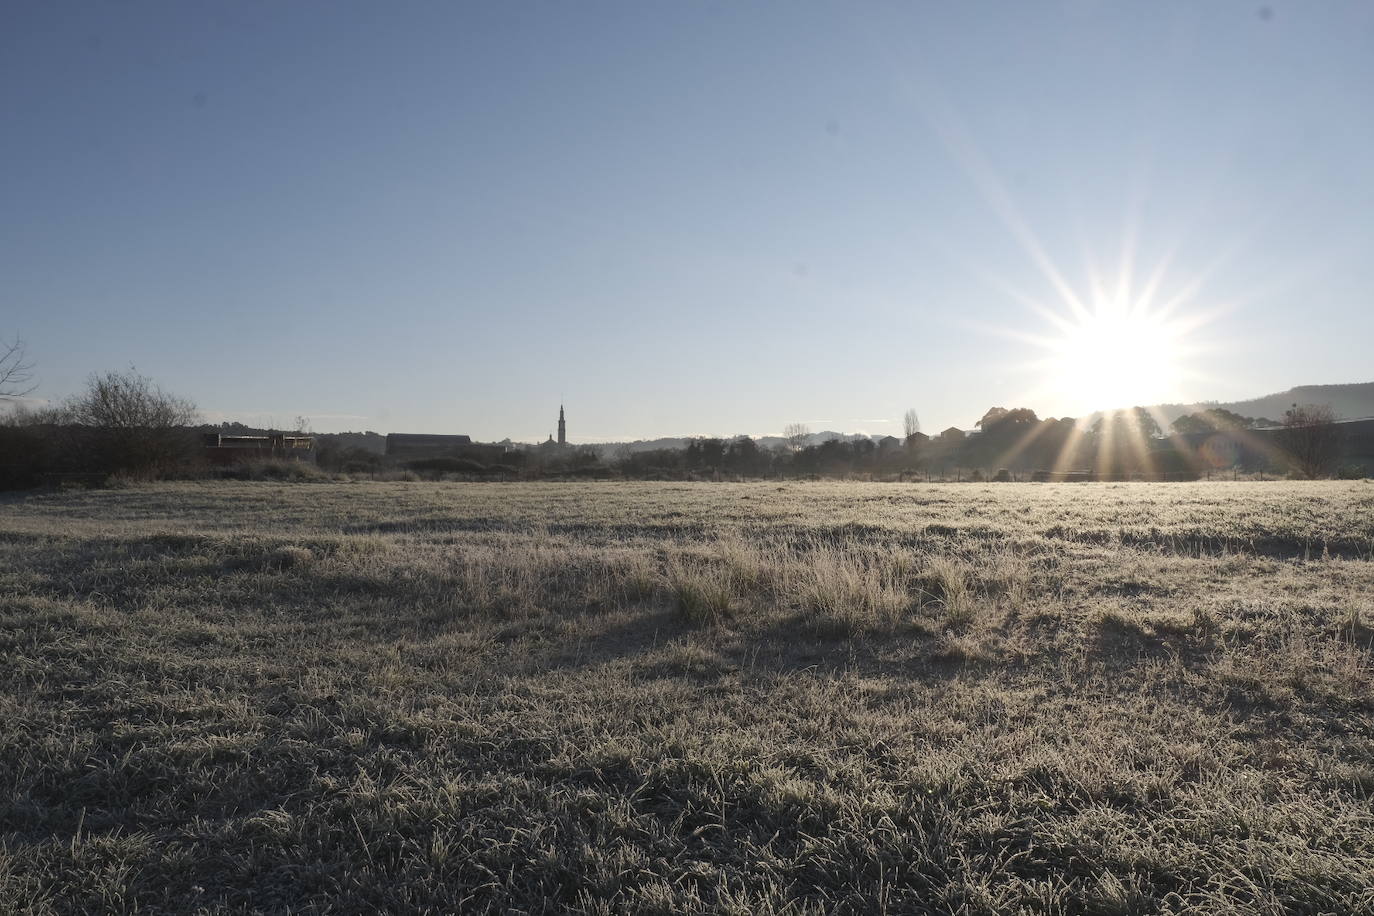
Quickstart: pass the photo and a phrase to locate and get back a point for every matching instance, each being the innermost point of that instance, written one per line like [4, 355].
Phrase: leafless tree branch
[911, 424]
[15, 371]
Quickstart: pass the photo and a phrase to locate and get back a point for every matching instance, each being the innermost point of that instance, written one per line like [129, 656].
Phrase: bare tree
[132, 423]
[15, 372]
[911, 425]
[796, 435]
[1311, 439]
[128, 400]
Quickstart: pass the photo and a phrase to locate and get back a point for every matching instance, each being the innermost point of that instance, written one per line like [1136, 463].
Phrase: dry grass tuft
[943, 580]
[844, 591]
[291, 556]
[703, 593]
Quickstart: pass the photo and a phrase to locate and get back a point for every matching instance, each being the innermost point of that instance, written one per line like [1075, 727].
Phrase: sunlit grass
[687, 698]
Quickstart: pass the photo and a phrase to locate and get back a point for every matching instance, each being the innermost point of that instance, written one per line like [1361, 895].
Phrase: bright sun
[1115, 356]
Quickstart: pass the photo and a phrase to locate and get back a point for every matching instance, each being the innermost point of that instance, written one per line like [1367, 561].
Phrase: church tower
[562, 427]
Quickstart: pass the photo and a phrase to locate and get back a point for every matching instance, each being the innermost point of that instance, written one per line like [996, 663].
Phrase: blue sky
[677, 218]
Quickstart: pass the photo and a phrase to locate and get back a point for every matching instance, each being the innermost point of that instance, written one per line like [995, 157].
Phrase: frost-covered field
[666, 697]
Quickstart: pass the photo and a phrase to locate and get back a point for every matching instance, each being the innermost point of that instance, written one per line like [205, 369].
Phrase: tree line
[123, 422]
[1015, 443]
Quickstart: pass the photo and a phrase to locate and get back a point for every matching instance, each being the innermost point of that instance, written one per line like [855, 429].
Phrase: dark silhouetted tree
[707, 454]
[1214, 419]
[743, 456]
[1059, 445]
[1137, 422]
[1122, 440]
[1311, 439]
[1006, 434]
[917, 448]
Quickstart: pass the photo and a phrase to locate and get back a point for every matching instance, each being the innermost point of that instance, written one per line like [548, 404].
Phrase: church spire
[562, 427]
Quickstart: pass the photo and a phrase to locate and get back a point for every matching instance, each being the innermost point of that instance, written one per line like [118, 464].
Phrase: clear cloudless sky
[676, 218]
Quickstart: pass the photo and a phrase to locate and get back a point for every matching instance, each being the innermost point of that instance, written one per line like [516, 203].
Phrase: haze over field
[687, 218]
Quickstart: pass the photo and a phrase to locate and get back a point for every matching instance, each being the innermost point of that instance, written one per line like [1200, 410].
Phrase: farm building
[413, 446]
[219, 449]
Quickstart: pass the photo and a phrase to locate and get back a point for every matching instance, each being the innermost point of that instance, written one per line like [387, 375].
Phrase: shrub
[1003, 476]
[447, 466]
[359, 467]
[1351, 472]
[298, 471]
[125, 422]
[26, 450]
[350, 459]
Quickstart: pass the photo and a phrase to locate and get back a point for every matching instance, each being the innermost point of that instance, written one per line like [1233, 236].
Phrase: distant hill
[1347, 401]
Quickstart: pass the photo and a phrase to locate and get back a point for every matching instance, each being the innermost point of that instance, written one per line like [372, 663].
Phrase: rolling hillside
[1348, 401]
